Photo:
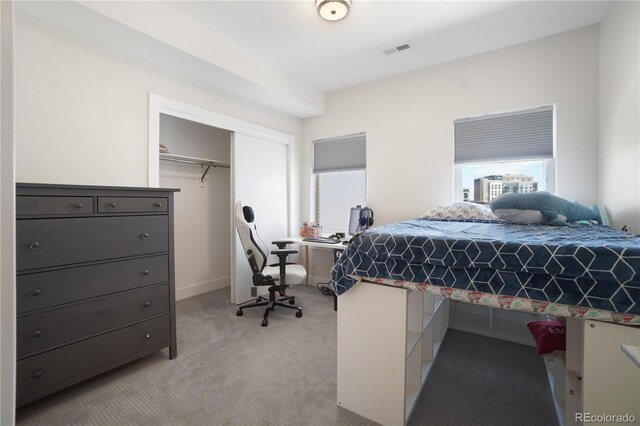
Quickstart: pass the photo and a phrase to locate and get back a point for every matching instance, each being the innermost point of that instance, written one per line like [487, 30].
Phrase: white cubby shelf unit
[388, 338]
[600, 379]
[498, 323]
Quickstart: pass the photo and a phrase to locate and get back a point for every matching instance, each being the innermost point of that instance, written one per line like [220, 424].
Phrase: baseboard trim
[200, 288]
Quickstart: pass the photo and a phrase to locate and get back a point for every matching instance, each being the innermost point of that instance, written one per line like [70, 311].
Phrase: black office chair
[286, 273]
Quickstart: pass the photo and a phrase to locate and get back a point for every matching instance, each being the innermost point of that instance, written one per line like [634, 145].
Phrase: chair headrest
[247, 212]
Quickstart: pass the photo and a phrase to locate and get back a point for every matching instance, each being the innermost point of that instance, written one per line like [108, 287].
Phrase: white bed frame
[388, 338]
[600, 379]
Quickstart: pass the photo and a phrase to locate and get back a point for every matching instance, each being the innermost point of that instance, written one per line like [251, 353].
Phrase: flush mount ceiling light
[333, 10]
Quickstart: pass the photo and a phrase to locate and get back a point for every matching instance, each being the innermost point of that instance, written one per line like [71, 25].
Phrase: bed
[390, 322]
[583, 271]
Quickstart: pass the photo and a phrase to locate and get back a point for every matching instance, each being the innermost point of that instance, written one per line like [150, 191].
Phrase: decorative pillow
[549, 336]
[461, 211]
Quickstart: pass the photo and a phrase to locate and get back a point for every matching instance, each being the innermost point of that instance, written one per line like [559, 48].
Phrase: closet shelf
[194, 160]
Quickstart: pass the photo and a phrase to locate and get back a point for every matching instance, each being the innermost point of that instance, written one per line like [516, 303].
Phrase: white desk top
[633, 352]
[299, 240]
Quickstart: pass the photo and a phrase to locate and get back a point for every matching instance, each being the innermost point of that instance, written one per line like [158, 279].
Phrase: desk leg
[306, 263]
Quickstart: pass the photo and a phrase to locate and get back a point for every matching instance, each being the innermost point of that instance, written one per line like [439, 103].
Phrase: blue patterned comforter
[589, 266]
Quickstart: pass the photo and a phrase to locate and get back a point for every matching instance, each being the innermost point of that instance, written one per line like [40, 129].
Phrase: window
[482, 182]
[506, 152]
[337, 193]
[339, 165]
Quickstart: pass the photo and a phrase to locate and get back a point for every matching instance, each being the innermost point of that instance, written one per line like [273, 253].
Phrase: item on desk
[163, 149]
[360, 219]
[310, 230]
[323, 240]
[340, 235]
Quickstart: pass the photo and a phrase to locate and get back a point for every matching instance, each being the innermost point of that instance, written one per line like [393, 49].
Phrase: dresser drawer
[46, 289]
[54, 242]
[43, 330]
[37, 373]
[131, 204]
[32, 205]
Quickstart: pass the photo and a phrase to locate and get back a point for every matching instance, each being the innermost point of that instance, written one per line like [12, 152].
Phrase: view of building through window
[483, 182]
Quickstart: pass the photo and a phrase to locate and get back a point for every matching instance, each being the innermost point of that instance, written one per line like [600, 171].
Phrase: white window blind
[340, 154]
[519, 135]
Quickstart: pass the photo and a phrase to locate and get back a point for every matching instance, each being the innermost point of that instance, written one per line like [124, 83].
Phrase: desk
[336, 248]
[327, 246]
[633, 352]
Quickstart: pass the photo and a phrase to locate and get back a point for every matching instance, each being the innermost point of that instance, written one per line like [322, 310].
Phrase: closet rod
[195, 160]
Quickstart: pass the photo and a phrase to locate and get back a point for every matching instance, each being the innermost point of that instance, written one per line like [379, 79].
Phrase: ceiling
[281, 54]
[329, 56]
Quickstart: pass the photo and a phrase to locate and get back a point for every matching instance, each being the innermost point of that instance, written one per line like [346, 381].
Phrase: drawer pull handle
[35, 292]
[145, 272]
[158, 204]
[112, 205]
[144, 236]
[34, 245]
[147, 304]
[79, 205]
[147, 336]
[37, 374]
[36, 333]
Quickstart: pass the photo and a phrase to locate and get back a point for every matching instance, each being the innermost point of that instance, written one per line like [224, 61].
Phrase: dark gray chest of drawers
[95, 282]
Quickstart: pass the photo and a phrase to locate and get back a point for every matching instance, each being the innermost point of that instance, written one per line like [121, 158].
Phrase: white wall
[620, 114]
[7, 218]
[202, 211]
[409, 119]
[82, 118]
[82, 108]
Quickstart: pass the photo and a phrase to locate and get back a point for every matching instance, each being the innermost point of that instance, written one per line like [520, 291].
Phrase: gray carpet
[232, 371]
[480, 381]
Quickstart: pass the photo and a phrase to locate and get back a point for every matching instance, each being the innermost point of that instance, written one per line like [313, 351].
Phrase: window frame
[315, 196]
[315, 176]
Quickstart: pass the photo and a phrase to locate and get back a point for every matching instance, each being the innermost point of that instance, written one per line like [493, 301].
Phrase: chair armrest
[281, 243]
[282, 259]
[285, 252]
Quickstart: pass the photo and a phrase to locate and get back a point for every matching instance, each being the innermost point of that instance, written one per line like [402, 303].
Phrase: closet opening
[197, 160]
[259, 161]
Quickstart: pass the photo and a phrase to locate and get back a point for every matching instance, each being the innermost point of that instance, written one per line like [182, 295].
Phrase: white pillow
[460, 211]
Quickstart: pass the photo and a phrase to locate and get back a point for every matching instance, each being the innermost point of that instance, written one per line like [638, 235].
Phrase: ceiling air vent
[397, 49]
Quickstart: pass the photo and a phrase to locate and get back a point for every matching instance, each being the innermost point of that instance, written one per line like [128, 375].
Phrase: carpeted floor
[232, 371]
[480, 381]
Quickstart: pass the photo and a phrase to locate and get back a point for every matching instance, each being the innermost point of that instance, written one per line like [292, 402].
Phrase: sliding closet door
[260, 180]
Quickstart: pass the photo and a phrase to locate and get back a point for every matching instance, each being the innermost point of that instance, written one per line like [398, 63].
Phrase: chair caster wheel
[265, 323]
[299, 314]
[239, 312]
[292, 301]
